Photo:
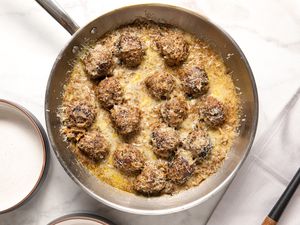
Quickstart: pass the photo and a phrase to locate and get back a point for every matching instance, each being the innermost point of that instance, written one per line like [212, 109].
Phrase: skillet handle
[59, 14]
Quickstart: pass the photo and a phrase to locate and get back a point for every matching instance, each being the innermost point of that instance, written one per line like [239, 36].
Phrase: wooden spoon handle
[280, 205]
[269, 221]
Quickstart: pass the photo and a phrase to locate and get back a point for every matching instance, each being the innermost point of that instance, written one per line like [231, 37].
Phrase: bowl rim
[45, 148]
[81, 216]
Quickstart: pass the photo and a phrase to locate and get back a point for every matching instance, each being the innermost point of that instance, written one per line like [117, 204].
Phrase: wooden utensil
[280, 205]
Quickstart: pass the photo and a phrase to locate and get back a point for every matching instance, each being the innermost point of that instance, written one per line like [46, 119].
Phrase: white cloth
[271, 164]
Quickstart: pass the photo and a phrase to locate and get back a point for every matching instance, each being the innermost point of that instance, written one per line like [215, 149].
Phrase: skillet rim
[196, 201]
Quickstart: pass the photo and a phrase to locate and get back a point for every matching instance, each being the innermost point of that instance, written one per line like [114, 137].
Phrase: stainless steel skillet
[190, 22]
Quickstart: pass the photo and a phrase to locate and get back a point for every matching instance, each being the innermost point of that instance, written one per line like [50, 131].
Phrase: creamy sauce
[21, 156]
[220, 86]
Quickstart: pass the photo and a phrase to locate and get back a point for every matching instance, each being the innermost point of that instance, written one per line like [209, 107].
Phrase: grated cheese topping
[221, 86]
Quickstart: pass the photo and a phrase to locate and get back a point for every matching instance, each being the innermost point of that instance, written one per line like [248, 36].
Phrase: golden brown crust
[212, 112]
[110, 92]
[165, 141]
[98, 62]
[130, 50]
[94, 145]
[160, 85]
[173, 48]
[126, 118]
[80, 115]
[152, 180]
[73, 134]
[194, 81]
[128, 159]
[181, 167]
[174, 111]
[198, 143]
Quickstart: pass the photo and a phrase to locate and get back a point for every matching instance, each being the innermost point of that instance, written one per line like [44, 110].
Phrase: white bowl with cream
[23, 155]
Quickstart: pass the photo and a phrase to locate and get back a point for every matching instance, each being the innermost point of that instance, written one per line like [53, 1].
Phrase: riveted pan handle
[59, 14]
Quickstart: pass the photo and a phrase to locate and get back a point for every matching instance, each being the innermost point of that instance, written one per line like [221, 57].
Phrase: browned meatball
[165, 141]
[169, 188]
[160, 85]
[195, 82]
[173, 48]
[99, 62]
[94, 146]
[181, 167]
[212, 112]
[126, 118]
[73, 134]
[80, 115]
[130, 50]
[110, 92]
[152, 179]
[128, 159]
[174, 111]
[198, 143]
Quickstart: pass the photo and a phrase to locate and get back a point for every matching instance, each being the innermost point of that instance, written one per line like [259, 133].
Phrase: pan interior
[202, 29]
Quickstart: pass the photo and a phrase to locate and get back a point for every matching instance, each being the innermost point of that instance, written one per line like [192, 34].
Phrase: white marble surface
[267, 31]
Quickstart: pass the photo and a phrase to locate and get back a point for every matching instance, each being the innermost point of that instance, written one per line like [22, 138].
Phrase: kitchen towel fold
[265, 174]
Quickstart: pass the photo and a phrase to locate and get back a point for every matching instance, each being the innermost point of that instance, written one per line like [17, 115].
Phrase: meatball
[152, 179]
[130, 50]
[160, 85]
[80, 115]
[126, 118]
[73, 134]
[99, 62]
[94, 146]
[195, 82]
[110, 92]
[198, 143]
[165, 141]
[173, 48]
[128, 159]
[174, 111]
[169, 188]
[212, 112]
[181, 167]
